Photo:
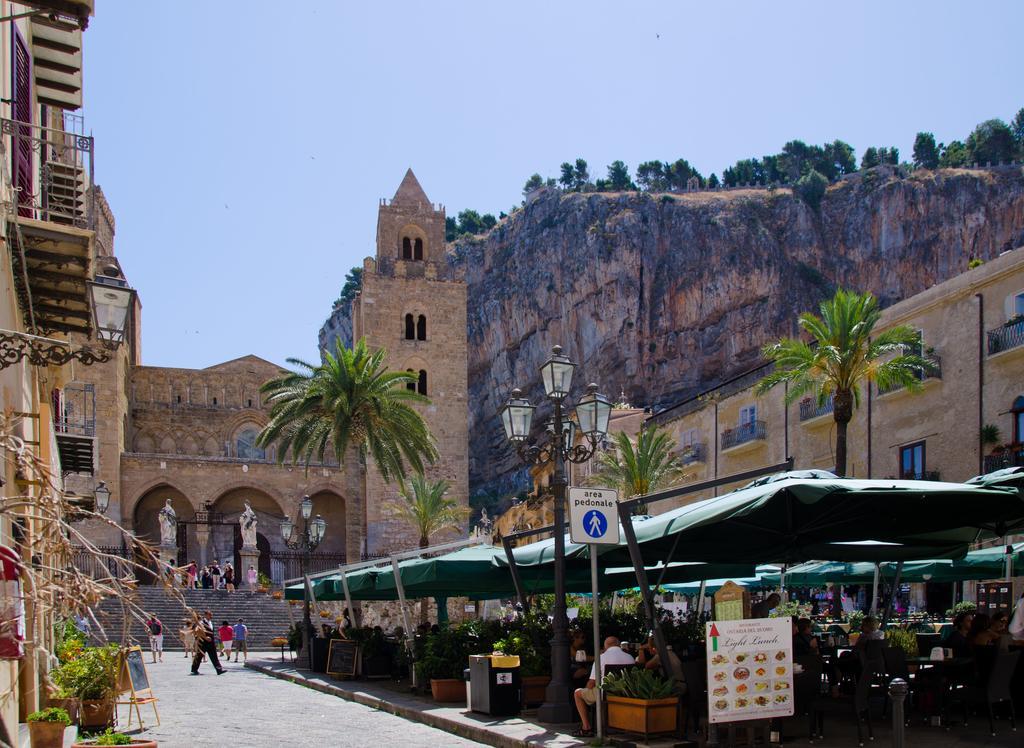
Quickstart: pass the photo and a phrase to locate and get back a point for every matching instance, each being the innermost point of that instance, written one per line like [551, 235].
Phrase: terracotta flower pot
[448, 689]
[98, 713]
[46, 734]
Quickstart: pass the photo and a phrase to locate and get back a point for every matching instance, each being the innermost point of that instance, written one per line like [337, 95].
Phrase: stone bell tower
[414, 305]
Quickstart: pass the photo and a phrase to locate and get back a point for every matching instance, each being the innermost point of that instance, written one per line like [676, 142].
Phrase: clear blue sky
[244, 145]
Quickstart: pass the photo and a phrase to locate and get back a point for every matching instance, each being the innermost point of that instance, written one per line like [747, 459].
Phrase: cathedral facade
[189, 435]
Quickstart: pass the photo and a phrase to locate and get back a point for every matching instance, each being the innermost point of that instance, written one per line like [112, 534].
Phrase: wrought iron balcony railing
[745, 432]
[52, 171]
[1005, 337]
[810, 409]
[1008, 458]
[932, 371]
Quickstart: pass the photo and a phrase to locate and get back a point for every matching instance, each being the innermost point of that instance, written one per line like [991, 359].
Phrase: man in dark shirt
[766, 606]
[205, 644]
[804, 641]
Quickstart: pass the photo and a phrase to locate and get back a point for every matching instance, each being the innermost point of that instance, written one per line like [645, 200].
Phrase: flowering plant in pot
[46, 727]
[92, 677]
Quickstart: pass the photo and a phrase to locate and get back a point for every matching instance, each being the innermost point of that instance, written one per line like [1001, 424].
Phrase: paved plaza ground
[246, 708]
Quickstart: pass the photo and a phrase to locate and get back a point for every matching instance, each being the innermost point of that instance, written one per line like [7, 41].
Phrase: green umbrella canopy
[761, 579]
[1011, 476]
[795, 520]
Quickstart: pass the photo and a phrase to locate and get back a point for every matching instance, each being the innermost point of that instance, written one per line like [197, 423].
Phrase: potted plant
[46, 727]
[533, 667]
[66, 701]
[263, 583]
[990, 434]
[445, 656]
[640, 701]
[92, 677]
[111, 737]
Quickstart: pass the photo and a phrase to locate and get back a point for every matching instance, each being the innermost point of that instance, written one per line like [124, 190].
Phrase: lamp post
[305, 540]
[102, 495]
[557, 446]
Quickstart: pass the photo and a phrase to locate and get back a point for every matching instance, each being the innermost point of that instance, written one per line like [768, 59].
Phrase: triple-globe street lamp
[558, 446]
[305, 540]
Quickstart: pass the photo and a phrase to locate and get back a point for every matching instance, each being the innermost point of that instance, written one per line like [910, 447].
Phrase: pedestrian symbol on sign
[595, 524]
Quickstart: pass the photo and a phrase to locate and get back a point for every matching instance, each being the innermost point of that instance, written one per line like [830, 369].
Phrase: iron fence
[745, 432]
[810, 409]
[110, 562]
[1007, 458]
[288, 564]
[1010, 335]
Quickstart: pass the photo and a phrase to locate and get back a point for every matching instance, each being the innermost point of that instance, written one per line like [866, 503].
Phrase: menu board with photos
[750, 669]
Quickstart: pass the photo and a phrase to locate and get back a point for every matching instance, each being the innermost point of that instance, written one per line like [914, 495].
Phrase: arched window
[406, 248]
[422, 386]
[410, 328]
[411, 386]
[418, 250]
[421, 327]
[245, 445]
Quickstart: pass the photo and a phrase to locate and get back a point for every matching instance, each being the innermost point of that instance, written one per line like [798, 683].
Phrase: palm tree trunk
[424, 602]
[842, 411]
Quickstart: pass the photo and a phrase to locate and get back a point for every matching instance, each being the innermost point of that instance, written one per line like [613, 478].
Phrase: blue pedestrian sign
[594, 515]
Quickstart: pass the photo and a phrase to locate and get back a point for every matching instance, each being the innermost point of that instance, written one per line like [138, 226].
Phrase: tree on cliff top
[926, 153]
[353, 282]
[843, 355]
[992, 142]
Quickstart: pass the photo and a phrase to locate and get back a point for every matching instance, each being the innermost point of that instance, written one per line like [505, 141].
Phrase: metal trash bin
[495, 685]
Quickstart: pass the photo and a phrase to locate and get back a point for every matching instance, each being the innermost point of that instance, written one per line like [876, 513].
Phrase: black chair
[927, 642]
[871, 668]
[993, 690]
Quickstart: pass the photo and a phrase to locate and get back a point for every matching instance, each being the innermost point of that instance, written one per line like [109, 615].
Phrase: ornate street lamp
[102, 495]
[558, 446]
[306, 541]
[111, 302]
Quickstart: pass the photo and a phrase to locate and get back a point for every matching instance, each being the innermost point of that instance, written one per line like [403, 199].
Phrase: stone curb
[469, 732]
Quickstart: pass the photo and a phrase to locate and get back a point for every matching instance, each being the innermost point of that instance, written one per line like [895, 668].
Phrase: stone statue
[486, 523]
[247, 522]
[168, 525]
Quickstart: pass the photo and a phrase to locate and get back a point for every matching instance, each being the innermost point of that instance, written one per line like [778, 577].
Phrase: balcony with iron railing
[811, 411]
[1006, 337]
[751, 433]
[932, 371]
[1009, 457]
[74, 427]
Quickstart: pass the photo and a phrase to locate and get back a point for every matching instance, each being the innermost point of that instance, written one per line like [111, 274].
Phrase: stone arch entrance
[147, 527]
[226, 538]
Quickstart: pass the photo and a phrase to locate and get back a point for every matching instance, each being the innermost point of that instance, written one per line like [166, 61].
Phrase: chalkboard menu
[341, 658]
[136, 669]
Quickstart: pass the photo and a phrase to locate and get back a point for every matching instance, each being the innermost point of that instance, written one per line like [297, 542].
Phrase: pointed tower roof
[410, 192]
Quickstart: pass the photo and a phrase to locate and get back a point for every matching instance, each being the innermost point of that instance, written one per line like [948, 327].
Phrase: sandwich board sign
[594, 515]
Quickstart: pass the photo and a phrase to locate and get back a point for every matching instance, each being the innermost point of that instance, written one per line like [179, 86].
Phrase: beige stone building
[971, 327]
[189, 435]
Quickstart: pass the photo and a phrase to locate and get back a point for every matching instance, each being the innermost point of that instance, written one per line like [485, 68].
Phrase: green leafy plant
[445, 654]
[975, 262]
[855, 619]
[51, 714]
[964, 606]
[110, 737]
[263, 580]
[637, 683]
[990, 434]
[92, 675]
[791, 609]
[902, 639]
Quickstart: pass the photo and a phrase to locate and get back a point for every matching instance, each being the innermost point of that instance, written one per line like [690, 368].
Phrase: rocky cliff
[662, 295]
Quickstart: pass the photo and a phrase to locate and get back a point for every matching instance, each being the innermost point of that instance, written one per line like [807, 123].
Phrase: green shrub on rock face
[811, 188]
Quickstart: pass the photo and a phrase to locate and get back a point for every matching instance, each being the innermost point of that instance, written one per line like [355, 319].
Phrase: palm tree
[841, 355]
[349, 401]
[428, 509]
[637, 469]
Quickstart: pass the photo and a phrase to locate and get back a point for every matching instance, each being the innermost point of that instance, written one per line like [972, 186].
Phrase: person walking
[229, 577]
[193, 575]
[226, 636]
[241, 633]
[205, 644]
[216, 574]
[156, 636]
[187, 637]
[252, 577]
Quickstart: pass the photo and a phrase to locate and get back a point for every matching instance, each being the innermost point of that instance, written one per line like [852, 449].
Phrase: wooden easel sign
[135, 680]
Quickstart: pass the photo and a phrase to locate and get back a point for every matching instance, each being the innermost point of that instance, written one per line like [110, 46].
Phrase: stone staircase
[266, 618]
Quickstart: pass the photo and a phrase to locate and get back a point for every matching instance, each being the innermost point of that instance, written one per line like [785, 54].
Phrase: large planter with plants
[110, 737]
[96, 713]
[46, 727]
[448, 690]
[640, 701]
[91, 676]
[445, 655]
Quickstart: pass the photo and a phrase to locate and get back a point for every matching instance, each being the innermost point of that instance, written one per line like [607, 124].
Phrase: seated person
[979, 627]
[648, 657]
[957, 638]
[997, 633]
[766, 606]
[804, 641]
[612, 654]
[579, 644]
[869, 632]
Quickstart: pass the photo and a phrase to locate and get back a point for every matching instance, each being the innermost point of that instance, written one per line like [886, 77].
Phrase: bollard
[897, 692]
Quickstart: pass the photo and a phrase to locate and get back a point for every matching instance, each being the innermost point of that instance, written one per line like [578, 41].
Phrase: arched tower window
[421, 387]
[411, 386]
[245, 445]
[410, 328]
[421, 327]
[406, 248]
[418, 250]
